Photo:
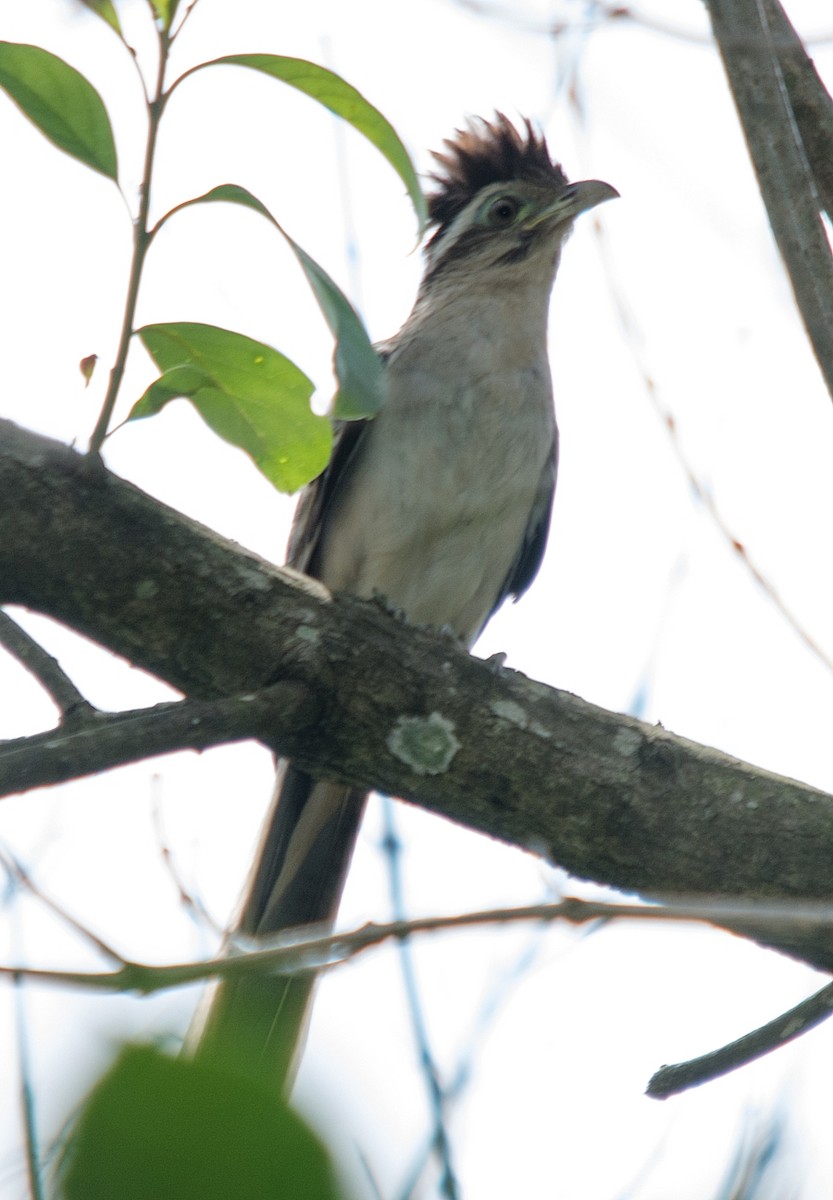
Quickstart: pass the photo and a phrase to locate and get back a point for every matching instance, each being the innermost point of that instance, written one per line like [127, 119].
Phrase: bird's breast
[441, 493]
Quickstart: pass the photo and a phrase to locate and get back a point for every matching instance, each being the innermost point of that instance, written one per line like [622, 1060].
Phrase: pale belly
[436, 511]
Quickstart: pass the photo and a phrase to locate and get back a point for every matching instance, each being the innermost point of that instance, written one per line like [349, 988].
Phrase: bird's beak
[576, 198]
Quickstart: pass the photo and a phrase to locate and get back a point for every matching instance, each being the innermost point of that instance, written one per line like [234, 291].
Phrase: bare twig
[23, 879]
[596, 16]
[310, 952]
[812, 103]
[314, 953]
[628, 322]
[108, 740]
[27, 1093]
[671, 1080]
[27, 1096]
[191, 903]
[189, 9]
[46, 669]
[440, 1141]
[479, 1028]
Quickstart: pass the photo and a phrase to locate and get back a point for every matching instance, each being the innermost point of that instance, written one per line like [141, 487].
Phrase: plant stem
[188, 12]
[141, 242]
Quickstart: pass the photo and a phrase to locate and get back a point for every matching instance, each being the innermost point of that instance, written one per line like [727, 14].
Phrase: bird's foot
[391, 609]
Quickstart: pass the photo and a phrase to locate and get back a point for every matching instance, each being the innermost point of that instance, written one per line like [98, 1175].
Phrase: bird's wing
[533, 544]
[317, 497]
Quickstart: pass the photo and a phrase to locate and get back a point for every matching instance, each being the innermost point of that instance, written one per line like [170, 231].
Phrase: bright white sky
[638, 594]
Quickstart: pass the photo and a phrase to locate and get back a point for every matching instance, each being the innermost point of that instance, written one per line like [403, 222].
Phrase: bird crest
[487, 152]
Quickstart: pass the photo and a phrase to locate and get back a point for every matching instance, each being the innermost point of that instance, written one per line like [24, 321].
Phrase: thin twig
[630, 328]
[313, 953]
[371, 1179]
[27, 1093]
[175, 33]
[46, 669]
[155, 108]
[671, 1080]
[634, 339]
[27, 1096]
[480, 1026]
[192, 905]
[436, 1093]
[20, 876]
[597, 16]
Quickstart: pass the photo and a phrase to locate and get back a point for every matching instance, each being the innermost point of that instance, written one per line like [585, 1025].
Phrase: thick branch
[811, 102]
[780, 100]
[608, 797]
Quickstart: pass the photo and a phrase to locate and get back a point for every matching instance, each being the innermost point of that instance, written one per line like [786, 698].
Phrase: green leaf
[61, 102]
[174, 1129]
[175, 383]
[228, 193]
[164, 11]
[357, 365]
[249, 393]
[104, 8]
[340, 98]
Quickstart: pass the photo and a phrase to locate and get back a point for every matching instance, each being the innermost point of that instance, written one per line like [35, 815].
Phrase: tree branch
[47, 670]
[311, 950]
[104, 740]
[809, 98]
[671, 1080]
[608, 797]
[769, 75]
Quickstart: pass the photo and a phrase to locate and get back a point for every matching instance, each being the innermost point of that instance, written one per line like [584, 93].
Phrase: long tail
[257, 1024]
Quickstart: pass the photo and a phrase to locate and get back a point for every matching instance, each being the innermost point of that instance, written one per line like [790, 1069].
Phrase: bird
[441, 504]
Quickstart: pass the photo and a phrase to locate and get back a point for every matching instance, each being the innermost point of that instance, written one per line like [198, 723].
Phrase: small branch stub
[425, 744]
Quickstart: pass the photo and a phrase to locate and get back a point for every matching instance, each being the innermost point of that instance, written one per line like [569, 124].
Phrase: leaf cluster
[248, 393]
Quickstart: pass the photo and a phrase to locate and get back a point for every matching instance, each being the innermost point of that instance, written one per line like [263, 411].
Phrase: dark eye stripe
[520, 251]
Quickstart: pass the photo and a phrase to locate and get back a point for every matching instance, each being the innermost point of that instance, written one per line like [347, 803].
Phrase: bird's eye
[502, 212]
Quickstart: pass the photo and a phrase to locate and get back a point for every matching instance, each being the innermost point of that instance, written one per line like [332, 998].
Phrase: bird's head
[499, 201]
